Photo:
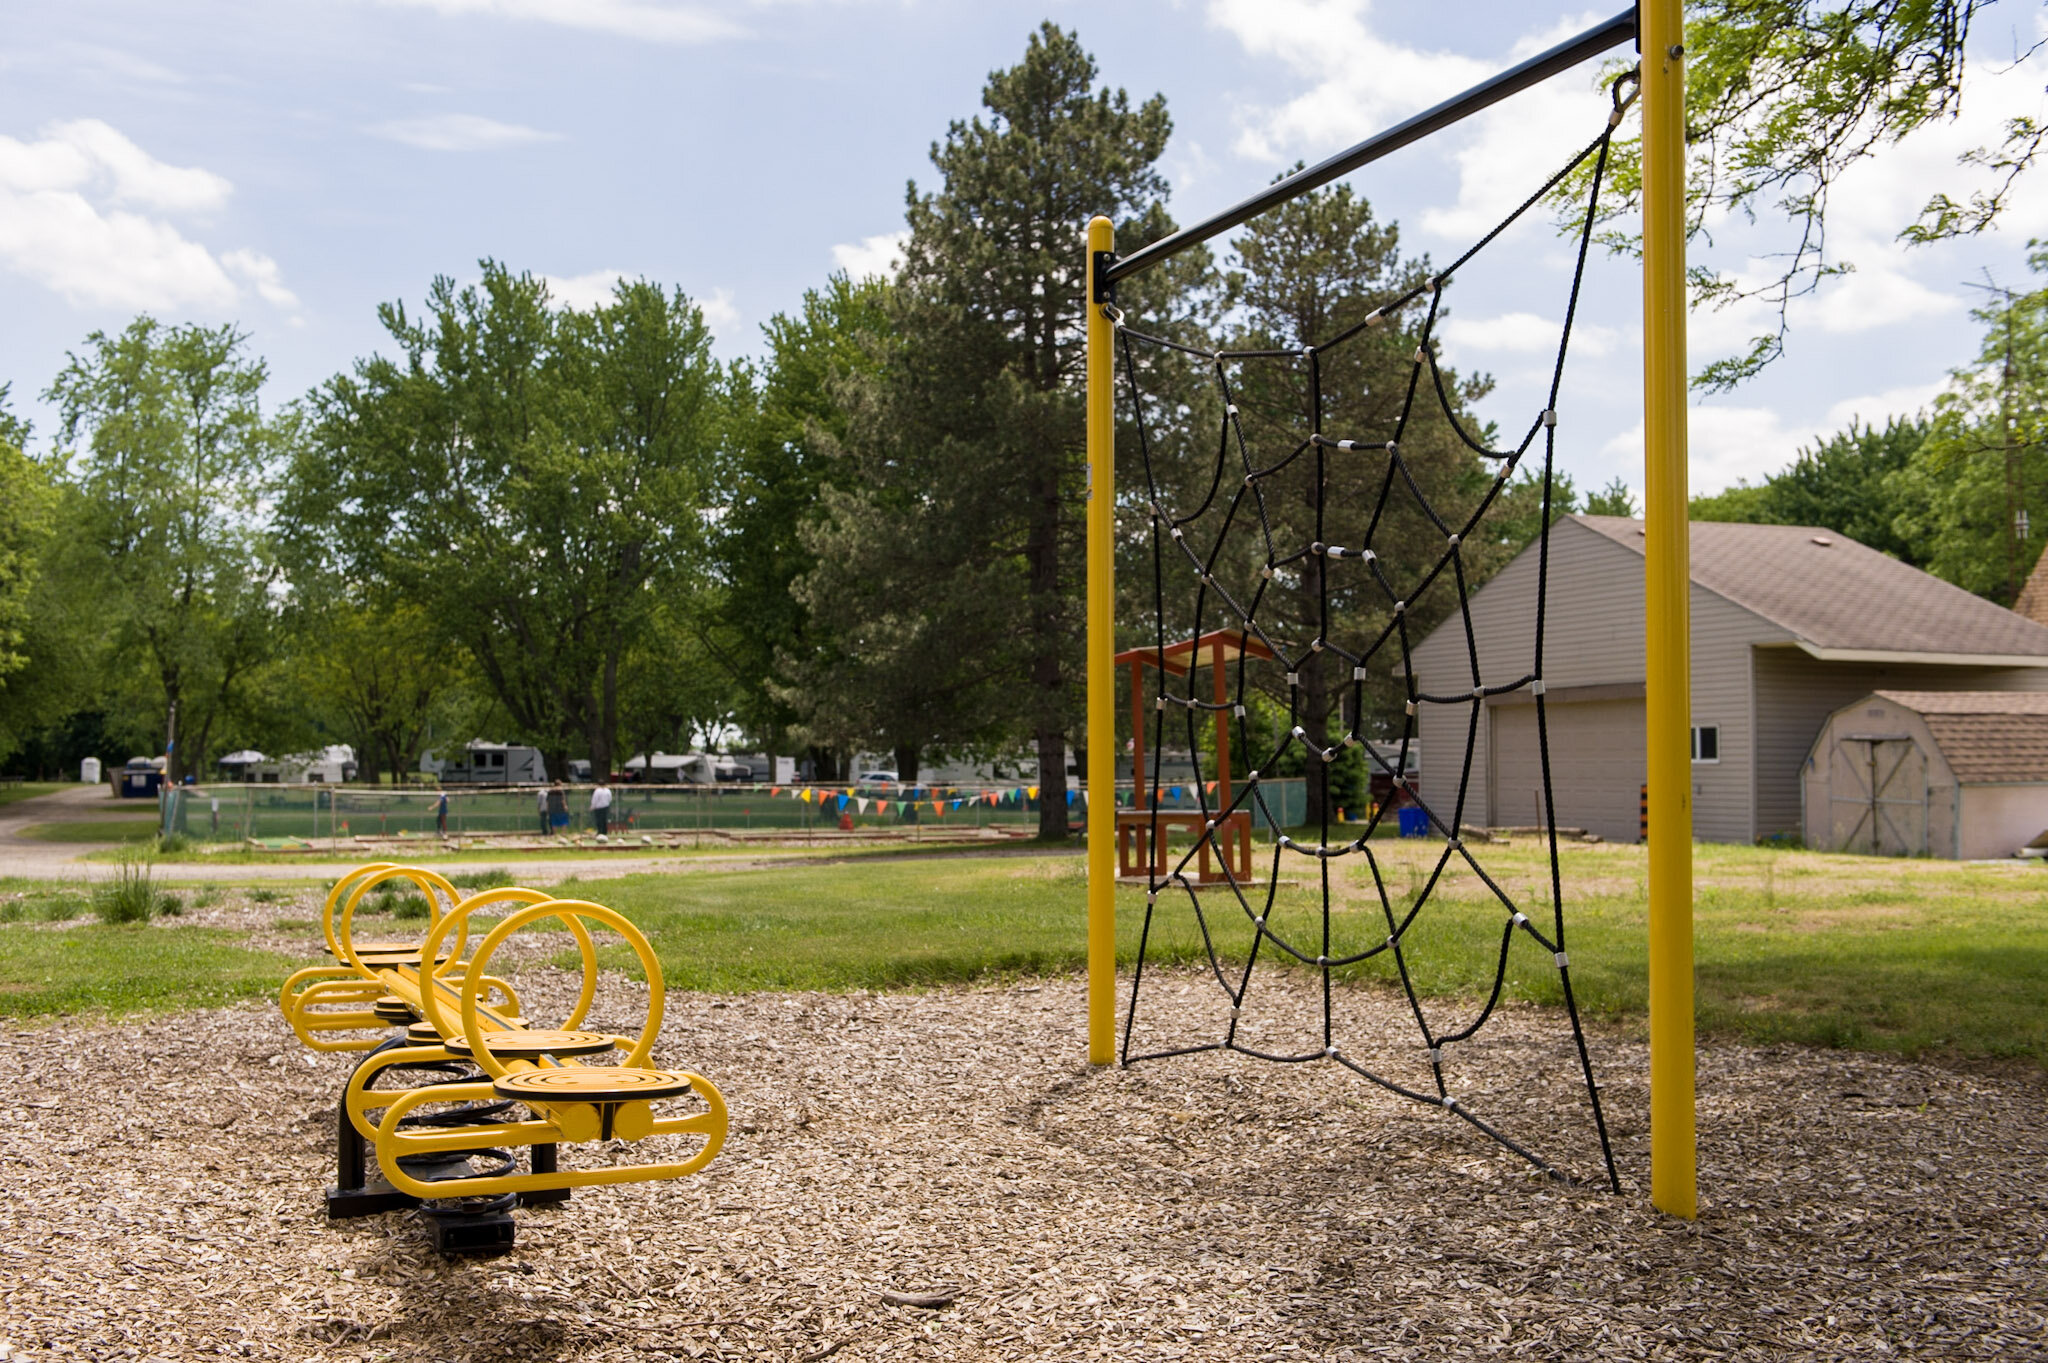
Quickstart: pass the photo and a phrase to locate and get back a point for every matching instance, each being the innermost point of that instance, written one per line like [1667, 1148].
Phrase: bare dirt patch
[160, 1198]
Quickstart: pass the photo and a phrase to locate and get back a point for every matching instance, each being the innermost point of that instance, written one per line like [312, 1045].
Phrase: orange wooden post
[1222, 694]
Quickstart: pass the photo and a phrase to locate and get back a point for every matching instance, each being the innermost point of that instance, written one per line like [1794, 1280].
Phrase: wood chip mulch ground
[939, 1176]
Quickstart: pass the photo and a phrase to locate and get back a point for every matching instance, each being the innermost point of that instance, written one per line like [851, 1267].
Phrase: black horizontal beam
[1616, 31]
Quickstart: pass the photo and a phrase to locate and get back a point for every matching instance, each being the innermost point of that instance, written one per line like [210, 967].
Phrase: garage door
[1596, 766]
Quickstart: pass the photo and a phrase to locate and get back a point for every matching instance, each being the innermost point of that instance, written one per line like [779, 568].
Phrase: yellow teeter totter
[458, 1037]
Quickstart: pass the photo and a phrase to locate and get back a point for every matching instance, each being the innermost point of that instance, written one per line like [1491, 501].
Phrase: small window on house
[1706, 743]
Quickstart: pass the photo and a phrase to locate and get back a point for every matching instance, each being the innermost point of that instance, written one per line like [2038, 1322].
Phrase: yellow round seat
[528, 1045]
[391, 1008]
[591, 1084]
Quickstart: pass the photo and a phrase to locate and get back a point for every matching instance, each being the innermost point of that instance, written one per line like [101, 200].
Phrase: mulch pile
[940, 1176]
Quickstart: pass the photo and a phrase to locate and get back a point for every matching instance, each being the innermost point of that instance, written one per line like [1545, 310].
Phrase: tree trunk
[1052, 784]
[1315, 722]
[906, 763]
[605, 741]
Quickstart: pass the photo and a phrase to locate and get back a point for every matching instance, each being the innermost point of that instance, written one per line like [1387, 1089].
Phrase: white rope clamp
[1536, 687]
[1550, 417]
[1358, 673]
[1563, 960]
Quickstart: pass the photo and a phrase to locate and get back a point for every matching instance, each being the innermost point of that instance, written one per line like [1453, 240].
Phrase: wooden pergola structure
[1138, 857]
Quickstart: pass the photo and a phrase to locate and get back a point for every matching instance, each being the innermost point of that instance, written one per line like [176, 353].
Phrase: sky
[288, 167]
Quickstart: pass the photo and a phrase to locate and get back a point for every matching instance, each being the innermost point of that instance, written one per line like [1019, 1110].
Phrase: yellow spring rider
[457, 1036]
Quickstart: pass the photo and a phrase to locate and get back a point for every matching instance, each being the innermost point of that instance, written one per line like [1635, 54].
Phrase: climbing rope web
[1217, 531]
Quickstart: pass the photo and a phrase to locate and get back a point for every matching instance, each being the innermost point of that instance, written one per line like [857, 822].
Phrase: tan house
[1789, 625]
[1959, 774]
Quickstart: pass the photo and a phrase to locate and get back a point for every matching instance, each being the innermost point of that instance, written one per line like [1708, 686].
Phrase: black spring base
[477, 1234]
[475, 1226]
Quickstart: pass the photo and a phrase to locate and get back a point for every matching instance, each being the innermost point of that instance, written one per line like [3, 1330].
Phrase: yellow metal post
[1667, 641]
[1101, 671]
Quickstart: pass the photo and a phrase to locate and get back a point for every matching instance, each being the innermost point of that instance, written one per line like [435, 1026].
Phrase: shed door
[1877, 796]
[1596, 767]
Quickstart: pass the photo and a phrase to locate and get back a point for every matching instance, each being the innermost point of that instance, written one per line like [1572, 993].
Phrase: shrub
[129, 897]
[409, 906]
[264, 896]
[490, 878]
[170, 843]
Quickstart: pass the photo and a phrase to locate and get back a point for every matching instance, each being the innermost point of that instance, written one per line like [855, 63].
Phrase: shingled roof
[1988, 737]
[1838, 597]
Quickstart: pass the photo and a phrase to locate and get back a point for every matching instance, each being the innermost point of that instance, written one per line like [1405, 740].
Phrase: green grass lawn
[29, 790]
[109, 829]
[1908, 956]
[100, 969]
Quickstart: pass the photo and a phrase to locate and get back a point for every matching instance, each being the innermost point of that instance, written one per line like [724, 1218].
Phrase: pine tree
[1304, 273]
[952, 551]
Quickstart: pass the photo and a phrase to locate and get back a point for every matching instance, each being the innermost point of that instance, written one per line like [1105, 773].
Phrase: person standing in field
[441, 815]
[540, 795]
[558, 809]
[601, 807]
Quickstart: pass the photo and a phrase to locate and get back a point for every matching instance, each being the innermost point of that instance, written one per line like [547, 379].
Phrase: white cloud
[643, 19]
[1524, 333]
[461, 132]
[83, 212]
[1874, 409]
[719, 313]
[1358, 82]
[1727, 443]
[586, 291]
[877, 256]
[262, 275]
[583, 291]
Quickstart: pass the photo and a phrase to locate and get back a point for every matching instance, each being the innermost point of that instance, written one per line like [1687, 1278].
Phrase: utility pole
[2015, 469]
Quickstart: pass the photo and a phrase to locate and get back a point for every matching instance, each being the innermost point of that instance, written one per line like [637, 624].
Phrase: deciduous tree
[162, 436]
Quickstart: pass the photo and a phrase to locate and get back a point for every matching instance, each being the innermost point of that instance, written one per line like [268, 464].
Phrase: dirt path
[160, 1198]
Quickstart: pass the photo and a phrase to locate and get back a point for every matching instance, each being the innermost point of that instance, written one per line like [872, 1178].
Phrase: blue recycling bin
[1414, 821]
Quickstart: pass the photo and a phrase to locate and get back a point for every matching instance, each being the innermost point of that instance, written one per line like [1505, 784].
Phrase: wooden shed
[1961, 774]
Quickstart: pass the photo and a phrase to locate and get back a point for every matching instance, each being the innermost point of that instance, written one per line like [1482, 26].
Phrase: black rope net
[1216, 532]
